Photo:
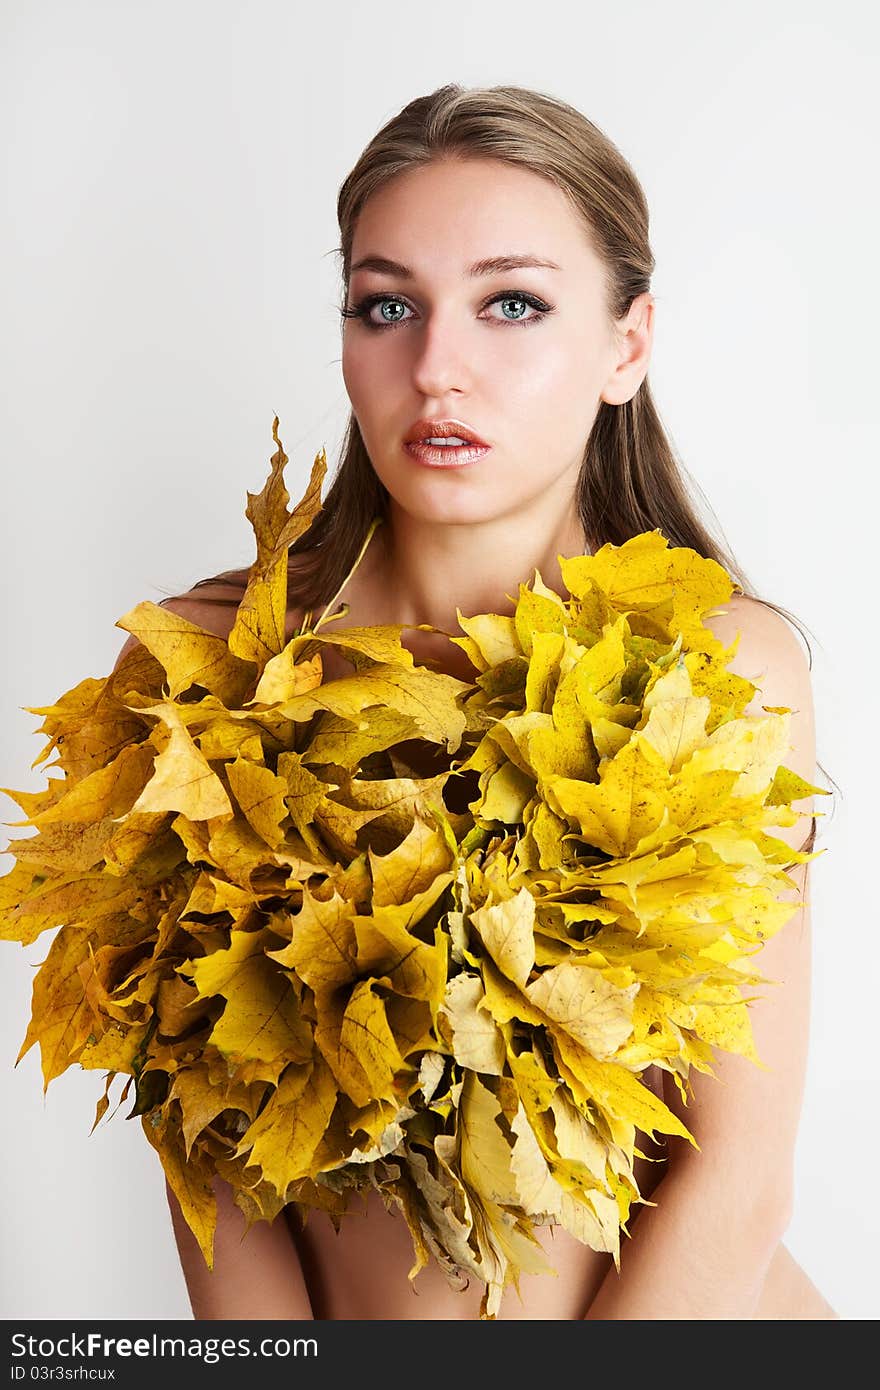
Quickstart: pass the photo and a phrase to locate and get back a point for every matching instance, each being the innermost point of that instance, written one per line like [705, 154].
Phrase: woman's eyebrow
[492, 265]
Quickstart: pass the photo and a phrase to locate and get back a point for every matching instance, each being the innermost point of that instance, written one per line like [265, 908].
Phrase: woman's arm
[257, 1273]
[705, 1250]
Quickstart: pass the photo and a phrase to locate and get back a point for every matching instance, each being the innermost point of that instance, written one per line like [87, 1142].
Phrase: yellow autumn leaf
[407, 871]
[182, 778]
[476, 1040]
[625, 804]
[490, 641]
[616, 1091]
[356, 1039]
[669, 587]
[259, 628]
[261, 795]
[190, 1179]
[287, 675]
[507, 930]
[323, 947]
[190, 655]
[583, 1003]
[283, 1138]
[389, 951]
[202, 1099]
[676, 727]
[426, 697]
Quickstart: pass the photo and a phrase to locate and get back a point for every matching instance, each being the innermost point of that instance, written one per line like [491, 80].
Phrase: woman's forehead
[476, 211]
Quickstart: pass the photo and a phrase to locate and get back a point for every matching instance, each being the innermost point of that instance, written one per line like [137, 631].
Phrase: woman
[497, 267]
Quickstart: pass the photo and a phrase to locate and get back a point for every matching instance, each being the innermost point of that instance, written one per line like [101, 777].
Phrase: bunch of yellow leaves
[319, 978]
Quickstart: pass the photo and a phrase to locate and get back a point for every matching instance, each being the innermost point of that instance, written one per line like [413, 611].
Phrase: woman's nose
[441, 357]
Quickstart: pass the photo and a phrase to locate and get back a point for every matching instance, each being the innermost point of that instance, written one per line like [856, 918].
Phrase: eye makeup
[364, 307]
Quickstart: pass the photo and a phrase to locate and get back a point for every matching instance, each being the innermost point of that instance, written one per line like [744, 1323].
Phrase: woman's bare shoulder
[206, 609]
[213, 607]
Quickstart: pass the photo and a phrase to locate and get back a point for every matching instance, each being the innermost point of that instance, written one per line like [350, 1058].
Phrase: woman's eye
[381, 304]
[515, 306]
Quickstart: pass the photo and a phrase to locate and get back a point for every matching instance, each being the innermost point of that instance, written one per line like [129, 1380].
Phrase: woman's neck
[422, 571]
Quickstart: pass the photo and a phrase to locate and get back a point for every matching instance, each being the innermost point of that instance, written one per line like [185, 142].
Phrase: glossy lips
[440, 455]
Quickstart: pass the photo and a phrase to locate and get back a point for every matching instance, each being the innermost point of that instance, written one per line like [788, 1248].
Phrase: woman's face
[523, 356]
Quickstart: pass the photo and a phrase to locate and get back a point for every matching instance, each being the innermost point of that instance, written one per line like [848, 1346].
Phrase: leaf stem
[377, 521]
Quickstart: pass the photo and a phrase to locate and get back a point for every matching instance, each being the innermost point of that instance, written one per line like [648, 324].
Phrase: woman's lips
[446, 455]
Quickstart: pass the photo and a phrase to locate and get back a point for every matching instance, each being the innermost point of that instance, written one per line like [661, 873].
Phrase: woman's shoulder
[213, 606]
[770, 654]
[762, 631]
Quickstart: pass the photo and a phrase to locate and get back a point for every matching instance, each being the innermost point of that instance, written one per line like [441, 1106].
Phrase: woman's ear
[634, 334]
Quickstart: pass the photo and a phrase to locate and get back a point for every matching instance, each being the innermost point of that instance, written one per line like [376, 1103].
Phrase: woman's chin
[425, 505]
[450, 496]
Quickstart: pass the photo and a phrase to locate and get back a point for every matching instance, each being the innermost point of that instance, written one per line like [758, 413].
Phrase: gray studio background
[169, 283]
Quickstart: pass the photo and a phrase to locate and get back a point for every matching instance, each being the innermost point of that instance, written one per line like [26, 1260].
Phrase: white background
[170, 282]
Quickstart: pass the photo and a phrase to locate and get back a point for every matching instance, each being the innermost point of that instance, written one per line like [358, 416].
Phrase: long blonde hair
[630, 479]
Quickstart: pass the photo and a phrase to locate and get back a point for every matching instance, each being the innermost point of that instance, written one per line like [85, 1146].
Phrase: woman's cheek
[360, 367]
